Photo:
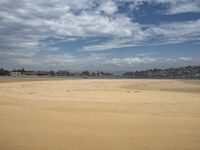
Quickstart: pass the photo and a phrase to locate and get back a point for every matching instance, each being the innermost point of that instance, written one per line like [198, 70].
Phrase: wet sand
[99, 114]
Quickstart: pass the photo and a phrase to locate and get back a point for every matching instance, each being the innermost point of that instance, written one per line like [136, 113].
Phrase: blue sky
[109, 35]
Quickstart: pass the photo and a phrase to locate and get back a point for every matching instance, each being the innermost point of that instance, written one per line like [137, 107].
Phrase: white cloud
[48, 61]
[185, 58]
[66, 58]
[28, 24]
[34, 21]
[176, 32]
[130, 61]
[146, 61]
[27, 27]
[102, 61]
[165, 33]
[111, 44]
[175, 6]
[108, 7]
[178, 7]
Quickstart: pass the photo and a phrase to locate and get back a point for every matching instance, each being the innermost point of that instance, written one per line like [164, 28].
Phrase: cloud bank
[27, 25]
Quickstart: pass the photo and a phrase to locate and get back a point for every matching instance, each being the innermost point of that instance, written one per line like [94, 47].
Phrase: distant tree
[52, 73]
[85, 73]
[93, 74]
[67, 73]
[42, 73]
[4, 72]
[128, 74]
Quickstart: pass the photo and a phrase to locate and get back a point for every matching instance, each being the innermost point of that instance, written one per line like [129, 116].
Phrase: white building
[15, 73]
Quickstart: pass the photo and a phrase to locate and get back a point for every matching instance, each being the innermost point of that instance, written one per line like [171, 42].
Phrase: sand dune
[99, 115]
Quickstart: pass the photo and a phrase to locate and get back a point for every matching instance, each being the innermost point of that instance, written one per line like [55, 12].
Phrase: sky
[107, 35]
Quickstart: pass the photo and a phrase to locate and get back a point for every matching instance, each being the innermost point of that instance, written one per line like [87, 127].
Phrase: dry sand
[100, 115]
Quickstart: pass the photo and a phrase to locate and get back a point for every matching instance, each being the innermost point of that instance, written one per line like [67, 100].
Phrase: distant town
[188, 72]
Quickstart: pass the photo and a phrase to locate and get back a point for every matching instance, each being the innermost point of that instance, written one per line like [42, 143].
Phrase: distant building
[15, 73]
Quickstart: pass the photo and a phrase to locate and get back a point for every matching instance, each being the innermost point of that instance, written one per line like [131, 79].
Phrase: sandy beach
[51, 114]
